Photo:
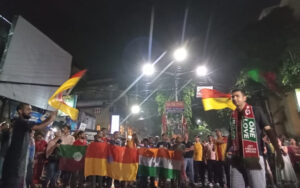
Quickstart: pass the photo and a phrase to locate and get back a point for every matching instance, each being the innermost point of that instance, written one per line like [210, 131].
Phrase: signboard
[70, 100]
[82, 126]
[172, 123]
[89, 120]
[174, 107]
[198, 93]
[115, 123]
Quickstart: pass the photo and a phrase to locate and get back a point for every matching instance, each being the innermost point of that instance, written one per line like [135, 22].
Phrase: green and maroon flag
[71, 157]
[268, 79]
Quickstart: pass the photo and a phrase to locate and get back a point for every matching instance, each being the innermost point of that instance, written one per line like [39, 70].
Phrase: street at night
[150, 94]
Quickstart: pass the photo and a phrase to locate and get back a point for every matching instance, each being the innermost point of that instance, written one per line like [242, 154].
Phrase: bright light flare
[201, 71]
[180, 54]
[135, 109]
[148, 69]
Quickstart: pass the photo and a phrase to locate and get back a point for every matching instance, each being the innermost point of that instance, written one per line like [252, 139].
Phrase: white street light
[180, 54]
[201, 71]
[135, 109]
[148, 69]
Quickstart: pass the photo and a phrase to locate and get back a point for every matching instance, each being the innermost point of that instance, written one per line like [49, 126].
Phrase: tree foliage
[290, 71]
[187, 96]
[272, 45]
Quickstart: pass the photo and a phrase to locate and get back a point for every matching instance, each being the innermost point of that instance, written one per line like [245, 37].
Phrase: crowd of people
[250, 156]
[205, 161]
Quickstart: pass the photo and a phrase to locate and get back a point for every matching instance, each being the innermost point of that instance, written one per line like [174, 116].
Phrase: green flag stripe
[67, 151]
[158, 172]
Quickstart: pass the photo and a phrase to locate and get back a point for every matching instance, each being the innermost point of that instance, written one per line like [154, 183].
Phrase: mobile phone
[59, 141]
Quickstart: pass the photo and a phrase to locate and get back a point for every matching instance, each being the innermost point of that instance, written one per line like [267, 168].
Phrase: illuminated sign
[115, 123]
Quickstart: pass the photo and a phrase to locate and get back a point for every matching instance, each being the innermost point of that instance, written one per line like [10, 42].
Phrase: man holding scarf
[245, 145]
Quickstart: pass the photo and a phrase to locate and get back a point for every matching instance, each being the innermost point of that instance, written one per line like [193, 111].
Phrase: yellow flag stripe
[59, 105]
[217, 103]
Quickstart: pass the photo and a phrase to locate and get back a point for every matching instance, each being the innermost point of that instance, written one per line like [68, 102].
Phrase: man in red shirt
[81, 139]
[79, 175]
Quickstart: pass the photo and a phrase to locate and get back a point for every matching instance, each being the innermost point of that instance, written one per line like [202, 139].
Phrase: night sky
[110, 37]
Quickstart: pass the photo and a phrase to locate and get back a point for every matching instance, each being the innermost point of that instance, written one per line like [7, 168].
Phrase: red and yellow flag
[119, 163]
[215, 100]
[56, 100]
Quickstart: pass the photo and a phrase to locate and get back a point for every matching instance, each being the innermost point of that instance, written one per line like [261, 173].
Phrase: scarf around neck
[248, 136]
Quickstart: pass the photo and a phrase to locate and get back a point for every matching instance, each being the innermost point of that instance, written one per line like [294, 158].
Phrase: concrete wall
[286, 118]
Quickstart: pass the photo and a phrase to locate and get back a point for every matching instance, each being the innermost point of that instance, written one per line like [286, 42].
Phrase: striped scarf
[243, 132]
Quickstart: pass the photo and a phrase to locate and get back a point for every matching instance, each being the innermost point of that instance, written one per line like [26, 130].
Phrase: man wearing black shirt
[247, 168]
[188, 158]
[165, 142]
[15, 160]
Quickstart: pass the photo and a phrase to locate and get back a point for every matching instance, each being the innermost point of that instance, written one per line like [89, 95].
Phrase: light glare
[148, 69]
[180, 54]
[135, 109]
[201, 71]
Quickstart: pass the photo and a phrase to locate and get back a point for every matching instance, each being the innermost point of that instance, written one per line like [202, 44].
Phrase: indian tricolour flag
[160, 162]
[71, 157]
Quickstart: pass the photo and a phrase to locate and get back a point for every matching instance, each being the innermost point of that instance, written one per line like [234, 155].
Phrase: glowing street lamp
[148, 69]
[201, 71]
[135, 109]
[180, 54]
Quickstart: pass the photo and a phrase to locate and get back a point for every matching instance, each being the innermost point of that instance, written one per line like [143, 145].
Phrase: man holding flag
[15, 161]
[245, 143]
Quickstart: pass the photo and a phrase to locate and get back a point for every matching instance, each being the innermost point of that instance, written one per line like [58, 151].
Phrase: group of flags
[120, 163]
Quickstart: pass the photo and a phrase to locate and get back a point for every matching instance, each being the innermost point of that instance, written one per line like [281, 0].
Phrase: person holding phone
[52, 156]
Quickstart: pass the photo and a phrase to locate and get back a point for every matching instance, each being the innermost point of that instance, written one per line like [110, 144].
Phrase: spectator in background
[30, 160]
[294, 153]
[156, 140]
[199, 164]
[269, 156]
[52, 156]
[188, 159]
[179, 146]
[116, 140]
[67, 139]
[102, 135]
[5, 135]
[164, 143]
[211, 159]
[145, 143]
[221, 145]
[81, 139]
[132, 141]
[79, 175]
[288, 176]
[151, 142]
[172, 142]
[39, 158]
